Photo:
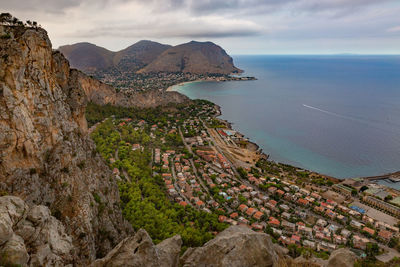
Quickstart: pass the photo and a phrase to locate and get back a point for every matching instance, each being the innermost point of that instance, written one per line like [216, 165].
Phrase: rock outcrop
[236, 246]
[30, 235]
[46, 157]
[139, 250]
[342, 257]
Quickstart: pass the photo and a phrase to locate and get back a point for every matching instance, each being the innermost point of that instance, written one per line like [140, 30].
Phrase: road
[175, 185]
[200, 180]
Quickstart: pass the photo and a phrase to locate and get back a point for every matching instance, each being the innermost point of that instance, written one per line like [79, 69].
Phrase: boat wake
[327, 112]
[369, 122]
[363, 121]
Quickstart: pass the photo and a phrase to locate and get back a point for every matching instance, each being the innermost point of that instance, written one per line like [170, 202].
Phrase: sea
[337, 115]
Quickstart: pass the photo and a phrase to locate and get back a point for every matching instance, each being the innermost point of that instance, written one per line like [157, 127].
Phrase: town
[207, 166]
[135, 82]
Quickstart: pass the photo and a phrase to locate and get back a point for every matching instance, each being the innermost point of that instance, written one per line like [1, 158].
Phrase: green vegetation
[144, 200]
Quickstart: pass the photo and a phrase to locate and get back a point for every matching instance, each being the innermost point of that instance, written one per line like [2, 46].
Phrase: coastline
[170, 89]
[229, 126]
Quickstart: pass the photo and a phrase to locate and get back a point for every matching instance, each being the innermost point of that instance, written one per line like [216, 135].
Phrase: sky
[239, 26]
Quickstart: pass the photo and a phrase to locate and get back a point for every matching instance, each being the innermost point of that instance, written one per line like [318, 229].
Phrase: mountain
[138, 55]
[89, 57]
[147, 56]
[193, 57]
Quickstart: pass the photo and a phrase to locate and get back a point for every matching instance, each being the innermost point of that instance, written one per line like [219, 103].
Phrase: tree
[388, 197]
[372, 249]
[353, 192]
[6, 18]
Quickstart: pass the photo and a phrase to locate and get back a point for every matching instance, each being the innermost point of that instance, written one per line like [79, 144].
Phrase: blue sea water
[337, 115]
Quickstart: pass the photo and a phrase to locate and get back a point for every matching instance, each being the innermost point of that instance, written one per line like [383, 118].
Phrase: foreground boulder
[236, 246]
[139, 250]
[30, 236]
[342, 257]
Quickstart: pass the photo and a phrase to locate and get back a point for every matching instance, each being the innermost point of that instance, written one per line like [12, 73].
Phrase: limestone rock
[34, 237]
[139, 250]
[342, 257]
[46, 156]
[14, 251]
[236, 246]
[169, 250]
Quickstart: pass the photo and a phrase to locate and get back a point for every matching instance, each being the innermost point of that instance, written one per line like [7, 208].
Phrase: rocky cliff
[46, 157]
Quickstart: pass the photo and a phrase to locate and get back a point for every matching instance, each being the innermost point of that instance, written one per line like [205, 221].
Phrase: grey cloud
[158, 30]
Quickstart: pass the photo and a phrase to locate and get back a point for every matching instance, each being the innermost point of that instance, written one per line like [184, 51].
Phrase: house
[309, 244]
[234, 215]
[296, 239]
[257, 226]
[356, 224]
[274, 222]
[183, 203]
[250, 211]
[243, 208]
[302, 202]
[286, 215]
[360, 242]
[272, 189]
[385, 235]
[271, 204]
[222, 218]
[346, 233]
[280, 192]
[316, 196]
[200, 204]
[258, 215]
[368, 230]
[289, 226]
[326, 246]
[243, 220]
[338, 239]
[284, 207]
[304, 230]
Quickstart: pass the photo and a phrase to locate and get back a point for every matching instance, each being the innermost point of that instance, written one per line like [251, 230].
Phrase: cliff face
[193, 57]
[46, 156]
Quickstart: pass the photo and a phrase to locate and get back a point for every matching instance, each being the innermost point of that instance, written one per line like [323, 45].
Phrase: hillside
[193, 57]
[89, 57]
[151, 57]
[138, 55]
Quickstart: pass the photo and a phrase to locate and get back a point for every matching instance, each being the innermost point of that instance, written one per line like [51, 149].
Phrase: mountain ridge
[150, 57]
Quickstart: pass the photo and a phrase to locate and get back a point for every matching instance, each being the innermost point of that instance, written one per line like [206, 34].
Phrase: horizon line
[316, 54]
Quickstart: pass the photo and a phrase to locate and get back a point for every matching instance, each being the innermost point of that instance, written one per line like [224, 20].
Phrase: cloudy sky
[239, 26]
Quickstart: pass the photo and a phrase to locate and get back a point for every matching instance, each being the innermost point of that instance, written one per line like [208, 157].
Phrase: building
[390, 208]
[342, 189]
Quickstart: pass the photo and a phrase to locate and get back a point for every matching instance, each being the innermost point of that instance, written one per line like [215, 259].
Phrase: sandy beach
[171, 88]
